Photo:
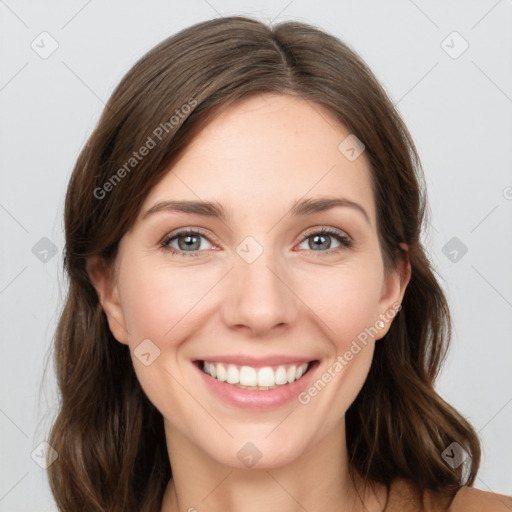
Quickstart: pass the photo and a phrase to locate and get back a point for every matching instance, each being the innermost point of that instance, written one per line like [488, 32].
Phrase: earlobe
[103, 279]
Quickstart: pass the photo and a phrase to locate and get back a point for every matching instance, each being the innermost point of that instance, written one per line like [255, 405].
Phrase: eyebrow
[301, 207]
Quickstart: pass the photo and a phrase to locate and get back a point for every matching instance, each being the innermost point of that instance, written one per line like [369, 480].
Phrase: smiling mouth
[255, 379]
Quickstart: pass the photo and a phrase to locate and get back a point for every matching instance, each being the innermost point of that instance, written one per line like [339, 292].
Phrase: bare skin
[256, 159]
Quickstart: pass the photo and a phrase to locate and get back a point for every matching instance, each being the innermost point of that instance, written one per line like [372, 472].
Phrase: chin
[257, 449]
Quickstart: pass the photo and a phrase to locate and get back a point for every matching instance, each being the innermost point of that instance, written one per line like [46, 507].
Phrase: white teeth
[232, 375]
[221, 372]
[280, 375]
[266, 377]
[291, 373]
[247, 377]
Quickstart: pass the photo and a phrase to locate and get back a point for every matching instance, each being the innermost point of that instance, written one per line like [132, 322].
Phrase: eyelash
[345, 241]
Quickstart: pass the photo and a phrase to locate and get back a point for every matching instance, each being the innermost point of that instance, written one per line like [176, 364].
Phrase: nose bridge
[258, 297]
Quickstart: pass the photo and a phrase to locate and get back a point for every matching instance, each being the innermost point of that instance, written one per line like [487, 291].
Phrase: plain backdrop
[447, 66]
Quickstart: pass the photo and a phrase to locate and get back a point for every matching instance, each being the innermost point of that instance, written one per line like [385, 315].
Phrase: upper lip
[257, 362]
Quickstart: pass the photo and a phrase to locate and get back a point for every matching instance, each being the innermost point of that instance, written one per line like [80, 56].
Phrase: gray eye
[320, 241]
[188, 242]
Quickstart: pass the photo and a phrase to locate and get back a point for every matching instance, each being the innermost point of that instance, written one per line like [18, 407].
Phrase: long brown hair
[109, 437]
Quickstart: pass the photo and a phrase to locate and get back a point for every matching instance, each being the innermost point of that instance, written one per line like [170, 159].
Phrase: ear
[104, 281]
[393, 289]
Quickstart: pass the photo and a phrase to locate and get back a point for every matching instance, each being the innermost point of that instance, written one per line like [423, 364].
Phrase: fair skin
[256, 159]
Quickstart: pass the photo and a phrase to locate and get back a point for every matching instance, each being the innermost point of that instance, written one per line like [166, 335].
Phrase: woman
[252, 322]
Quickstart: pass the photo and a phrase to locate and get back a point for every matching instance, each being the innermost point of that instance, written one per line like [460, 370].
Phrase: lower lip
[253, 399]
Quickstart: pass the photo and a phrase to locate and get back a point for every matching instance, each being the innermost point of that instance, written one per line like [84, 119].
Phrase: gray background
[457, 107]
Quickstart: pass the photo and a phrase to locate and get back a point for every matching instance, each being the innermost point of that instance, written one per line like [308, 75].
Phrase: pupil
[325, 245]
[190, 240]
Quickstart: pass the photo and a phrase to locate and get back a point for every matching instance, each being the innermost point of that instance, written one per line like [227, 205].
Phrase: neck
[318, 479]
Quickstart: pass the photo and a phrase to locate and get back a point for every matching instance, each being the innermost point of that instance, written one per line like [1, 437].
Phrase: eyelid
[186, 230]
[326, 230]
[342, 237]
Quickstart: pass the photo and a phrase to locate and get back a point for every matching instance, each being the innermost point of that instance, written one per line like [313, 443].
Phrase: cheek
[156, 299]
[159, 306]
[346, 299]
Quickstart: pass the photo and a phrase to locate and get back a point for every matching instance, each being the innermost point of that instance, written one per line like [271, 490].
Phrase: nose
[259, 297]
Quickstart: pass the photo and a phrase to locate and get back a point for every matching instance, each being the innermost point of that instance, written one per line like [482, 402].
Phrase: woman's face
[259, 292]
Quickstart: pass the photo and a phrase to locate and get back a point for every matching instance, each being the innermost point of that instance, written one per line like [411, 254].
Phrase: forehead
[265, 152]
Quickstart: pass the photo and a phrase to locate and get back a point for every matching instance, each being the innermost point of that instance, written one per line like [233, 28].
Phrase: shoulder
[469, 499]
[404, 496]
